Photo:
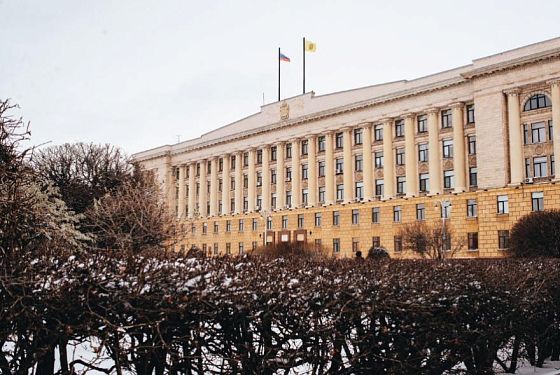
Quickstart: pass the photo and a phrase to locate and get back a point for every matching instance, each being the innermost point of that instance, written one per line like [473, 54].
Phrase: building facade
[473, 146]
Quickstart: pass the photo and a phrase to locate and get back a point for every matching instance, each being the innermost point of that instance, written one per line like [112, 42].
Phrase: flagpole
[304, 65]
[278, 73]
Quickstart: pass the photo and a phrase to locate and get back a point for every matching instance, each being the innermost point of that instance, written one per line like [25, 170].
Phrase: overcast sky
[140, 73]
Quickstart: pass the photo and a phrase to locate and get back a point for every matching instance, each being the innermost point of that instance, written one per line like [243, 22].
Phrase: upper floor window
[259, 156]
[423, 152]
[400, 156]
[339, 165]
[502, 204]
[304, 147]
[379, 159]
[321, 168]
[422, 124]
[357, 136]
[378, 132]
[446, 119]
[288, 150]
[358, 163]
[273, 153]
[339, 140]
[246, 159]
[399, 128]
[470, 113]
[537, 101]
[472, 144]
[447, 148]
[321, 143]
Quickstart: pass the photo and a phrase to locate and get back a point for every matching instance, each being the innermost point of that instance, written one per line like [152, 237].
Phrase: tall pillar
[203, 196]
[265, 176]
[296, 174]
[214, 187]
[514, 127]
[434, 152]
[192, 189]
[182, 193]
[348, 173]
[388, 159]
[238, 183]
[329, 168]
[555, 93]
[312, 171]
[368, 163]
[411, 166]
[226, 162]
[251, 190]
[280, 177]
[459, 161]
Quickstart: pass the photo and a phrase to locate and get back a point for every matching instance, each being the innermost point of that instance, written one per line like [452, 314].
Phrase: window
[359, 190]
[422, 121]
[550, 131]
[358, 163]
[447, 148]
[288, 150]
[254, 245]
[273, 153]
[355, 217]
[420, 211]
[245, 181]
[401, 182]
[400, 156]
[398, 244]
[284, 222]
[423, 152]
[552, 165]
[355, 244]
[232, 205]
[336, 218]
[197, 169]
[339, 165]
[424, 182]
[288, 198]
[220, 165]
[231, 164]
[322, 194]
[259, 179]
[536, 102]
[204, 228]
[339, 140]
[445, 210]
[216, 248]
[379, 187]
[472, 240]
[472, 208]
[228, 225]
[245, 204]
[254, 225]
[375, 215]
[502, 202]
[537, 201]
[321, 143]
[527, 167]
[300, 221]
[503, 239]
[193, 229]
[378, 159]
[321, 167]
[399, 128]
[304, 172]
[378, 132]
[336, 245]
[318, 244]
[228, 248]
[540, 168]
[259, 156]
[448, 179]
[470, 113]
[304, 147]
[397, 214]
[318, 219]
[472, 144]
[269, 223]
[357, 136]
[216, 227]
[375, 241]
[340, 192]
[241, 248]
[473, 176]
[446, 119]
[538, 132]
[245, 159]
[273, 176]
[304, 196]
[241, 225]
[288, 174]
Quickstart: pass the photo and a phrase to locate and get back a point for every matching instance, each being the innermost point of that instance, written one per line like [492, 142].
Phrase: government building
[472, 147]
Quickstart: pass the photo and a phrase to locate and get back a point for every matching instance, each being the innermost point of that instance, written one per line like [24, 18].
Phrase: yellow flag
[310, 46]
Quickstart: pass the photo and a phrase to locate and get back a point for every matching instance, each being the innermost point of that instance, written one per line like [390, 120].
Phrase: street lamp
[444, 205]
[265, 214]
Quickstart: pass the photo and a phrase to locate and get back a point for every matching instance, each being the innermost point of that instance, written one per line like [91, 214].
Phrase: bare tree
[435, 241]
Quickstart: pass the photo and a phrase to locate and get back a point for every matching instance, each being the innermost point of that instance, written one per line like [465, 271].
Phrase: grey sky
[138, 73]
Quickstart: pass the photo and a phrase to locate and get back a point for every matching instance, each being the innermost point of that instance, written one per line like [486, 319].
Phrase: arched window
[537, 101]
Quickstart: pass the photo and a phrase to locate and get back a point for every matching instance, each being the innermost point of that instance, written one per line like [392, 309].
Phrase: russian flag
[284, 57]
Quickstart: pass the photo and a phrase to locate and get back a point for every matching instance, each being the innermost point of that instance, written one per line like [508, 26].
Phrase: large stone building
[473, 146]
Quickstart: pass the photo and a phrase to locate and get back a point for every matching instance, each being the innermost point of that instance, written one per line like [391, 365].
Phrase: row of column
[515, 130]
[389, 175]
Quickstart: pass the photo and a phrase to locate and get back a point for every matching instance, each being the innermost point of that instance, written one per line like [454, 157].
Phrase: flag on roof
[284, 57]
[310, 46]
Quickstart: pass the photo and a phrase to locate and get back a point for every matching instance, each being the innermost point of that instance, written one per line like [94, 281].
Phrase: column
[192, 189]
[265, 174]
[329, 168]
[555, 97]
[348, 174]
[296, 174]
[515, 146]
[280, 177]
[388, 159]
[226, 184]
[459, 161]
[214, 187]
[312, 171]
[182, 193]
[411, 166]
[238, 183]
[251, 190]
[368, 163]
[203, 196]
[434, 153]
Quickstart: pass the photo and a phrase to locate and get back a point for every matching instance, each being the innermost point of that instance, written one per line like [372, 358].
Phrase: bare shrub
[536, 234]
